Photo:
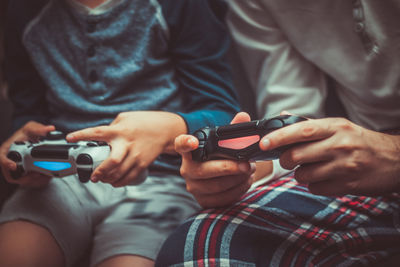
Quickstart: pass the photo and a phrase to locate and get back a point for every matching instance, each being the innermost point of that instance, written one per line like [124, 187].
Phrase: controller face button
[273, 124]
[14, 156]
[84, 159]
[84, 175]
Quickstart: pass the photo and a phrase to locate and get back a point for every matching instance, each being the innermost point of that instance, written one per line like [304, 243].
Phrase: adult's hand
[31, 131]
[136, 138]
[214, 183]
[336, 157]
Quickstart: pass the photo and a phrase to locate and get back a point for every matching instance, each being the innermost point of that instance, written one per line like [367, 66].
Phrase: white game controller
[54, 156]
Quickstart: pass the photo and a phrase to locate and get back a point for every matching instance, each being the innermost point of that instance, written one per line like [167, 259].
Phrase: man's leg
[282, 224]
[52, 218]
[24, 244]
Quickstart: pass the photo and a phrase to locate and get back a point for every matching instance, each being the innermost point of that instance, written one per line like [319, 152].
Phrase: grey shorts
[133, 220]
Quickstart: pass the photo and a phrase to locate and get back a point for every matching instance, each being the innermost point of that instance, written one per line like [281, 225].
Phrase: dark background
[5, 106]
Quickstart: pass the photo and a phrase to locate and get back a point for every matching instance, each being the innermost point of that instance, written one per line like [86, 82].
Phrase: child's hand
[214, 183]
[30, 131]
[136, 138]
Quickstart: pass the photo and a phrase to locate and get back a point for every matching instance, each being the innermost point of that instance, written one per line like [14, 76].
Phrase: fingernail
[252, 178]
[94, 179]
[191, 141]
[243, 166]
[265, 143]
[252, 167]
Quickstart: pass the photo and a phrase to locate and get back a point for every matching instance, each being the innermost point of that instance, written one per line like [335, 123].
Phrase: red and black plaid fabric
[282, 224]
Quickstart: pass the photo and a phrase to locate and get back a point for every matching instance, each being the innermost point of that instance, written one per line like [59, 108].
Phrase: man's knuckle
[294, 156]
[344, 124]
[183, 171]
[308, 131]
[114, 161]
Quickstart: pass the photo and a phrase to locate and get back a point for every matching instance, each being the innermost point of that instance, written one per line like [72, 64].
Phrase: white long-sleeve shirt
[289, 47]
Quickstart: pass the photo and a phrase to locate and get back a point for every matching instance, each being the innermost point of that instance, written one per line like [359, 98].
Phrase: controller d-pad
[84, 159]
[200, 135]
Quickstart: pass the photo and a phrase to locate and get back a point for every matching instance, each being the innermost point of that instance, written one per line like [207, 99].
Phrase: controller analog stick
[14, 156]
[84, 159]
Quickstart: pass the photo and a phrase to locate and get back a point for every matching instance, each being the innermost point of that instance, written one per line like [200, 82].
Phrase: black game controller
[54, 156]
[240, 141]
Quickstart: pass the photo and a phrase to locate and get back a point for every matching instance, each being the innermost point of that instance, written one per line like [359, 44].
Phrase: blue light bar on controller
[52, 165]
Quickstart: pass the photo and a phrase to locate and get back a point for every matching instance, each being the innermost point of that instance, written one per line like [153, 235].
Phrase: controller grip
[16, 157]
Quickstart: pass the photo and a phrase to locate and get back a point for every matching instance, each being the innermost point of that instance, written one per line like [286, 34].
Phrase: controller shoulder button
[19, 142]
[84, 159]
[55, 135]
[101, 143]
[91, 144]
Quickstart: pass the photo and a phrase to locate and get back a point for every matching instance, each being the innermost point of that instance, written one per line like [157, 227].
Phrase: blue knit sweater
[77, 71]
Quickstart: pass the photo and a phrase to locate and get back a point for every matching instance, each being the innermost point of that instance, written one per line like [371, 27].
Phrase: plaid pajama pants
[282, 224]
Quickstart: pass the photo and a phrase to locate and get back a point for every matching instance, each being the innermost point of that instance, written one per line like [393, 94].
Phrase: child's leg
[46, 219]
[137, 219]
[26, 244]
[127, 260]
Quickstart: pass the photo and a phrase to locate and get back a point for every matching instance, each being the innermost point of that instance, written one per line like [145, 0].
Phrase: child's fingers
[101, 133]
[241, 117]
[34, 129]
[117, 155]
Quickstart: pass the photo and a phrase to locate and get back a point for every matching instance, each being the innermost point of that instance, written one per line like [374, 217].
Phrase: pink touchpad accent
[239, 143]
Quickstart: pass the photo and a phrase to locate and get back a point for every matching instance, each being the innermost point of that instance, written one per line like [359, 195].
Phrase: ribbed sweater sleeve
[199, 42]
